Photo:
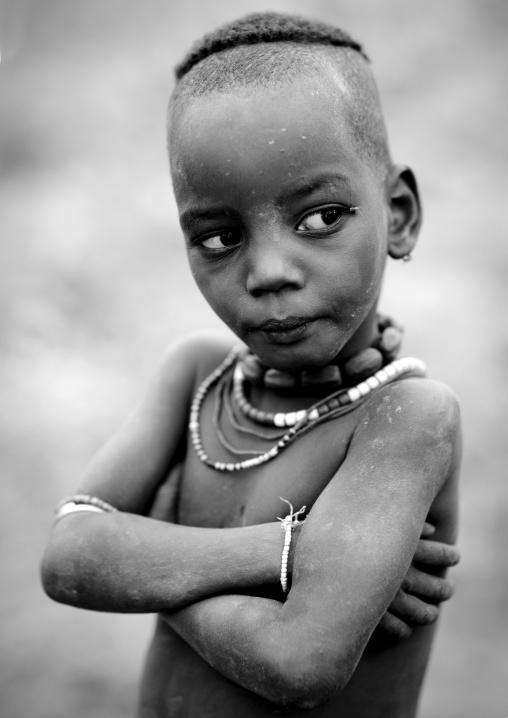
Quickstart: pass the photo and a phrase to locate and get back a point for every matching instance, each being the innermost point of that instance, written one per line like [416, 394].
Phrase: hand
[165, 503]
[417, 600]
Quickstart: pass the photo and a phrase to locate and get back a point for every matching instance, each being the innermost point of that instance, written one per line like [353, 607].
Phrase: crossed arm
[349, 562]
[424, 587]
[353, 553]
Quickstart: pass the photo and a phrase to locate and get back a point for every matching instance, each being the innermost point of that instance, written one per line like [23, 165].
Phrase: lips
[285, 331]
[283, 325]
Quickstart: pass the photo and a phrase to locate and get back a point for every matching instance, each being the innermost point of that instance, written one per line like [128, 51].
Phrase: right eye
[224, 240]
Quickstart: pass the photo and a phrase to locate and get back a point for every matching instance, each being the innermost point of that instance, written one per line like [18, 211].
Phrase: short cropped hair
[263, 28]
[265, 49]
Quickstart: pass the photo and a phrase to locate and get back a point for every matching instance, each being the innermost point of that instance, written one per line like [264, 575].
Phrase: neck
[374, 345]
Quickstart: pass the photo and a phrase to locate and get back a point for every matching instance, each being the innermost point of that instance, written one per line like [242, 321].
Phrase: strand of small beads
[220, 391]
[226, 398]
[329, 408]
[336, 401]
[197, 403]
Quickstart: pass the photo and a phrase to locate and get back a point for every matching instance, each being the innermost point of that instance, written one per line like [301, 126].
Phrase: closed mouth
[286, 331]
[283, 325]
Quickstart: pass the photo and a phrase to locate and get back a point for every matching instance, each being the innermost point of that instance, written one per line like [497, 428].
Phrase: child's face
[264, 182]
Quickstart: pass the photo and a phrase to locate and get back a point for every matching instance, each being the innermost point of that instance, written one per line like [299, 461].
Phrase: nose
[273, 266]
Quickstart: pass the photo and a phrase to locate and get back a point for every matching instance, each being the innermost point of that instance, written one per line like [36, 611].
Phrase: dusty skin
[225, 644]
[387, 679]
[351, 556]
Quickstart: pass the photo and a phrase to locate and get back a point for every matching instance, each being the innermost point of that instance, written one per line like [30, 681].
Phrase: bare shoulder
[414, 418]
[193, 356]
[138, 457]
[416, 403]
[419, 397]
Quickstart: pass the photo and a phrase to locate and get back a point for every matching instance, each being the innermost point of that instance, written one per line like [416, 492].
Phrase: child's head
[287, 194]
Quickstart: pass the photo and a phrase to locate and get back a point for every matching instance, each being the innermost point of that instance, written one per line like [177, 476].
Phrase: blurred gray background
[94, 284]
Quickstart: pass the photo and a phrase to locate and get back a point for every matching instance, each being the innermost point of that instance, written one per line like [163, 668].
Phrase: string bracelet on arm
[82, 502]
[288, 523]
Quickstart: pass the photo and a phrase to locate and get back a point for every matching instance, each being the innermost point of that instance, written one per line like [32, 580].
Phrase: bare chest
[299, 474]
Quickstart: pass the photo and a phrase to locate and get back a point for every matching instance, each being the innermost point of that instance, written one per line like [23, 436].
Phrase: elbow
[58, 587]
[308, 681]
[59, 576]
[68, 565]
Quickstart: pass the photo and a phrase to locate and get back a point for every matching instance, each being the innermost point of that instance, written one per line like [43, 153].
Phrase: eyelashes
[320, 222]
[324, 220]
[220, 241]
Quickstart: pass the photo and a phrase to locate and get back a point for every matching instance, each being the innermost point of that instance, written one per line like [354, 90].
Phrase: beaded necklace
[334, 405]
[364, 363]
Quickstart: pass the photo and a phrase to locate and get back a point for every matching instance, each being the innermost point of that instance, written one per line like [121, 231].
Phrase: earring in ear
[407, 258]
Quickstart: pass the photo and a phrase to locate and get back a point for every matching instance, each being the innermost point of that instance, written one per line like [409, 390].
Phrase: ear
[405, 212]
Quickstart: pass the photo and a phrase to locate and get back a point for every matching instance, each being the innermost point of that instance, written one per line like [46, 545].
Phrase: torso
[179, 684]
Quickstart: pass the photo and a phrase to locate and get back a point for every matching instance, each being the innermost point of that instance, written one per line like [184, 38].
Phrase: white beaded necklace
[299, 422]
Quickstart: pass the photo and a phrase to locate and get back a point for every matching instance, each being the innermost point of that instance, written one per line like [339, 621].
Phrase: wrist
[288, 525]
[296, 533]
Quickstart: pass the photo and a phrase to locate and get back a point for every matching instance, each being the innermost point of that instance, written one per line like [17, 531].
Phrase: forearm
[240, 636]
[128, 563]
[258, 644]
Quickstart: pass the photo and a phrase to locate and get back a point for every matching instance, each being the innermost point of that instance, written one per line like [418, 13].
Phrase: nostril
[256, 293]
[260, 289]
[273, 277]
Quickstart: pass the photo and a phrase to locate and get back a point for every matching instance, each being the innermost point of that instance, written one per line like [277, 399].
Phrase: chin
[294, 358]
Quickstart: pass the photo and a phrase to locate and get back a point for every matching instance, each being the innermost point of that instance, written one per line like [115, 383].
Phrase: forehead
[285, 131]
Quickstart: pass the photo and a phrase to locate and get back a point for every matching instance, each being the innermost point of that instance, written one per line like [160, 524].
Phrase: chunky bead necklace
[359, 366]
[332, 406]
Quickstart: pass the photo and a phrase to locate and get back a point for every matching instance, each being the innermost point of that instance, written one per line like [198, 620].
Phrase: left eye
[323, 219]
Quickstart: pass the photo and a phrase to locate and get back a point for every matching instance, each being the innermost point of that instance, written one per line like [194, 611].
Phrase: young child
[289, 203]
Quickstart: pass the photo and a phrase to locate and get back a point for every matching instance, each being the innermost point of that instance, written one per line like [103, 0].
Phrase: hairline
[346, 67]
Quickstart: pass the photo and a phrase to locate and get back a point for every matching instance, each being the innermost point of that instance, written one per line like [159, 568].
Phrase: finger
[427, 530]
[395, 626]
[434, 588]
[413, 609]
[435, 553]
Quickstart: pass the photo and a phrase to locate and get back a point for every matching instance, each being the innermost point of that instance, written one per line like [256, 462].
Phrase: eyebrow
[191, 216]
[302, 188]
[305, 187]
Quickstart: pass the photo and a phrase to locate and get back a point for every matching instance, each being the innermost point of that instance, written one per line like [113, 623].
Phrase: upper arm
[358, 541]
[131, 465]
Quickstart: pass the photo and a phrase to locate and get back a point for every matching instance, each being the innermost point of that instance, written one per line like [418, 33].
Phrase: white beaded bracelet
[288, 523]
[71, 508]
[82, 502]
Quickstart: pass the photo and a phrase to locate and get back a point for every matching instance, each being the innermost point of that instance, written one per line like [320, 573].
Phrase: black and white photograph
[253, 277]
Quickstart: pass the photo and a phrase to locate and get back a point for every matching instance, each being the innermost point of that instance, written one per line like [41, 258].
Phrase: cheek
[353, 283]
[371, 264]
[205, 282]
[370, 257]
[215, 289]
